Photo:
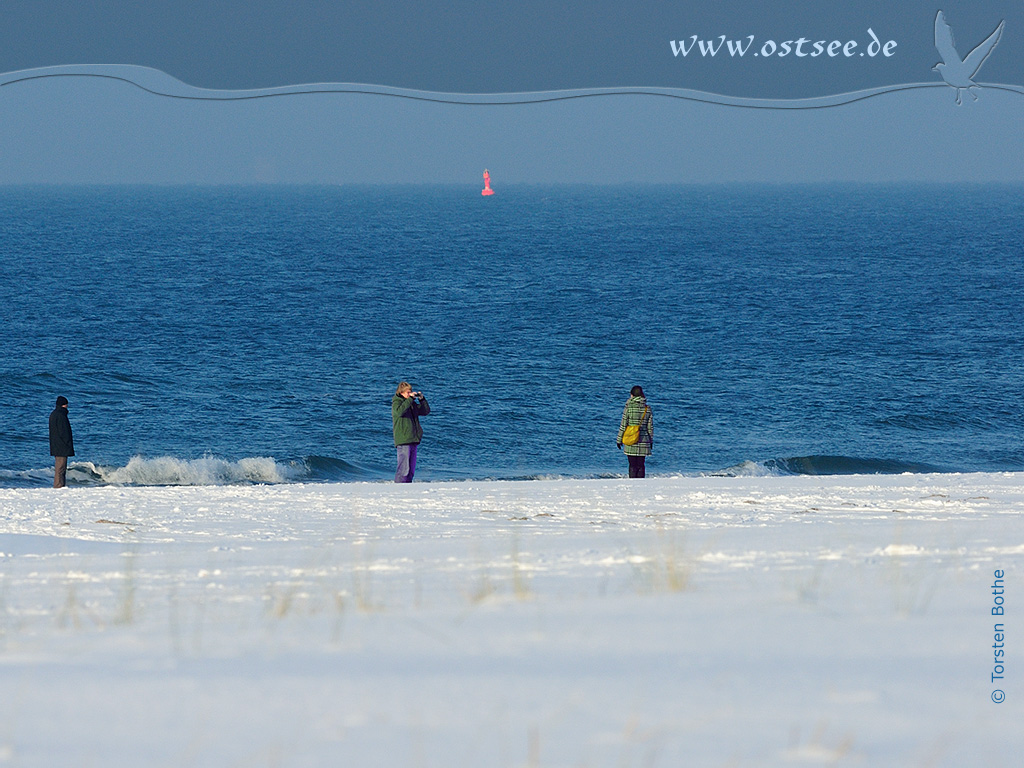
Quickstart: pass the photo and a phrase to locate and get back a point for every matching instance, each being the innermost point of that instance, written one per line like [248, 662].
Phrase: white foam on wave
[27, 476]
[748, 469]
[208, 470]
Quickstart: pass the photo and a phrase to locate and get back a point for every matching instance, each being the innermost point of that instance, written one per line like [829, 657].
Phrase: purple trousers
[636, 466]
[406, 463]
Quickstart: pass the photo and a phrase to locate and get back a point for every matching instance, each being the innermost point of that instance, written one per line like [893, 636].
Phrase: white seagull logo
[957, 72]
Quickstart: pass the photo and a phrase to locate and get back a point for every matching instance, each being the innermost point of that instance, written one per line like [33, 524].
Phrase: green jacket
[405, 418]
[637, 412]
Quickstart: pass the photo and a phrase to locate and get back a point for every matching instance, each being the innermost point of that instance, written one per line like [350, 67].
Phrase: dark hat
[61, 401]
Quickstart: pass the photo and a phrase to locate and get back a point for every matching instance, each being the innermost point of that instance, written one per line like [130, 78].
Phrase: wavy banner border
[158, 83]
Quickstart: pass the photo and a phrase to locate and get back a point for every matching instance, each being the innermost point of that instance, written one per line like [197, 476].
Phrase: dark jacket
[405, 418]
[61, 441]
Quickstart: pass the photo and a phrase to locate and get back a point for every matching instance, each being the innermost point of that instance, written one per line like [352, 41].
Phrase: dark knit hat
[61, 401]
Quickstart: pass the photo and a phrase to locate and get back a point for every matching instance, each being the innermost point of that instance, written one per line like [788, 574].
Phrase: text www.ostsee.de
[800, 48]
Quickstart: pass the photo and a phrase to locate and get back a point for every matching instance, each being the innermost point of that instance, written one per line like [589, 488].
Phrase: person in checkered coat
[637, 412]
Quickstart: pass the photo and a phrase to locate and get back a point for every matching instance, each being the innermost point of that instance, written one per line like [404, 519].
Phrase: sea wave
[203, 471]
[211, 470]
[10, 478]
[208, 470]
[329, 468]
[824, 465]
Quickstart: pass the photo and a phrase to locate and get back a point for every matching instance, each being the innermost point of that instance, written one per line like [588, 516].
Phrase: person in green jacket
[637, 413]
[406, 408]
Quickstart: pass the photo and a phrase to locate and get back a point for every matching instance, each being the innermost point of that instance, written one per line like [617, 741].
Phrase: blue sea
[256, 334]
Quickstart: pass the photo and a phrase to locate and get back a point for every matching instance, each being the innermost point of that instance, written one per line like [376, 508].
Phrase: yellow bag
[631, 435]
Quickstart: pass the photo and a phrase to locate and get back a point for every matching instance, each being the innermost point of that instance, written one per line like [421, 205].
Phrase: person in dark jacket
[62, 444]
[637, 413]
[406, 408]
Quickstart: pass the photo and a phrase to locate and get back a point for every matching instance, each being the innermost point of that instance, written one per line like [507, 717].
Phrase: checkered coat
[638, 412]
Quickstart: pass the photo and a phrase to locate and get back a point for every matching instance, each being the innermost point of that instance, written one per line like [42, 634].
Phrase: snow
[664, 622]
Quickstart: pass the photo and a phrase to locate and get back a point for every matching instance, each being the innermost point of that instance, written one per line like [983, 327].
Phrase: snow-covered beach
[672, 621]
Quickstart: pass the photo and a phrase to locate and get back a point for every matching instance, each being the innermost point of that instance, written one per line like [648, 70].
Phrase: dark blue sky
[81, 130]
